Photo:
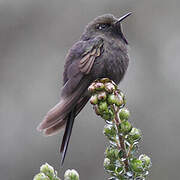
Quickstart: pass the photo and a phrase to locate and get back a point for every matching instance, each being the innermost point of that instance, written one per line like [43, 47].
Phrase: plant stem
[130, 148]
[121, 139]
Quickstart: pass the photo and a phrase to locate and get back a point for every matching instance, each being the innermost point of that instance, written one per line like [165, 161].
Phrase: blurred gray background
[35, 36]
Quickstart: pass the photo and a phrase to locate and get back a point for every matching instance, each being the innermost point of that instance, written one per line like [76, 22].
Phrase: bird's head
[106, 25]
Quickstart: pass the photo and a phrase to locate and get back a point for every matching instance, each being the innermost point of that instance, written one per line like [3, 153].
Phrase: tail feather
[57, 113]
[63, 108]
[61, 123]
[64, 113]
[67, 134]
[70, 120]
[54, 129]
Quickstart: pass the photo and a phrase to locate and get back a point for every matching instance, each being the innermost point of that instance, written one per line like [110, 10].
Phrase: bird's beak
[123, 17]
[119, 28]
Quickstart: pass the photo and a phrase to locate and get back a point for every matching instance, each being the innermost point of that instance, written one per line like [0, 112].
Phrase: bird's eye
[102, 26]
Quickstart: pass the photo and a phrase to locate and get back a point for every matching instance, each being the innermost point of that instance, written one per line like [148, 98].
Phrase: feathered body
[100, 52]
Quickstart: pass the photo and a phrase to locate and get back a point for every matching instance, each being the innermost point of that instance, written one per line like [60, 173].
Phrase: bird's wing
[78, 65]
[86, 63]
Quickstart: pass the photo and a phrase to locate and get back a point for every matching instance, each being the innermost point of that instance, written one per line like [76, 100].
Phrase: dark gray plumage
[100, 52]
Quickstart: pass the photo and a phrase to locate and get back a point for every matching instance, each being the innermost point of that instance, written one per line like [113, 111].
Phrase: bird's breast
[116, 59]
[113, 61]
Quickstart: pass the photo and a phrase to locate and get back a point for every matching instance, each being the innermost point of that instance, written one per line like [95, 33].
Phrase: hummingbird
[101, 52]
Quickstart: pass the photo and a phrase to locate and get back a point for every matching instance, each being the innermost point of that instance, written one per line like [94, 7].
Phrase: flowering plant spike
[121, 160]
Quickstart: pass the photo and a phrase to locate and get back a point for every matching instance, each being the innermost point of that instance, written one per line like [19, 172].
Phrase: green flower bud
[103, 106]
[146, 160]
[125, 127]
[136, 165]
[102, 95]
[112, 153]
[109, 131]
[108, 115]
[47, 170]
[96, 109]
[134, 135]
[94, 99]
[99, 86]
[71, 175]
[111, 99]
[109, 87]
[40, 176]
[124, 114]
[119, 100]
[91, 88]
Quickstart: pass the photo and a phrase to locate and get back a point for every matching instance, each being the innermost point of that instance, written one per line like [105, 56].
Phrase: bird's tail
[70, 121]
[56, 117]
[67, 134]
[54, 121]
[63, 114]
